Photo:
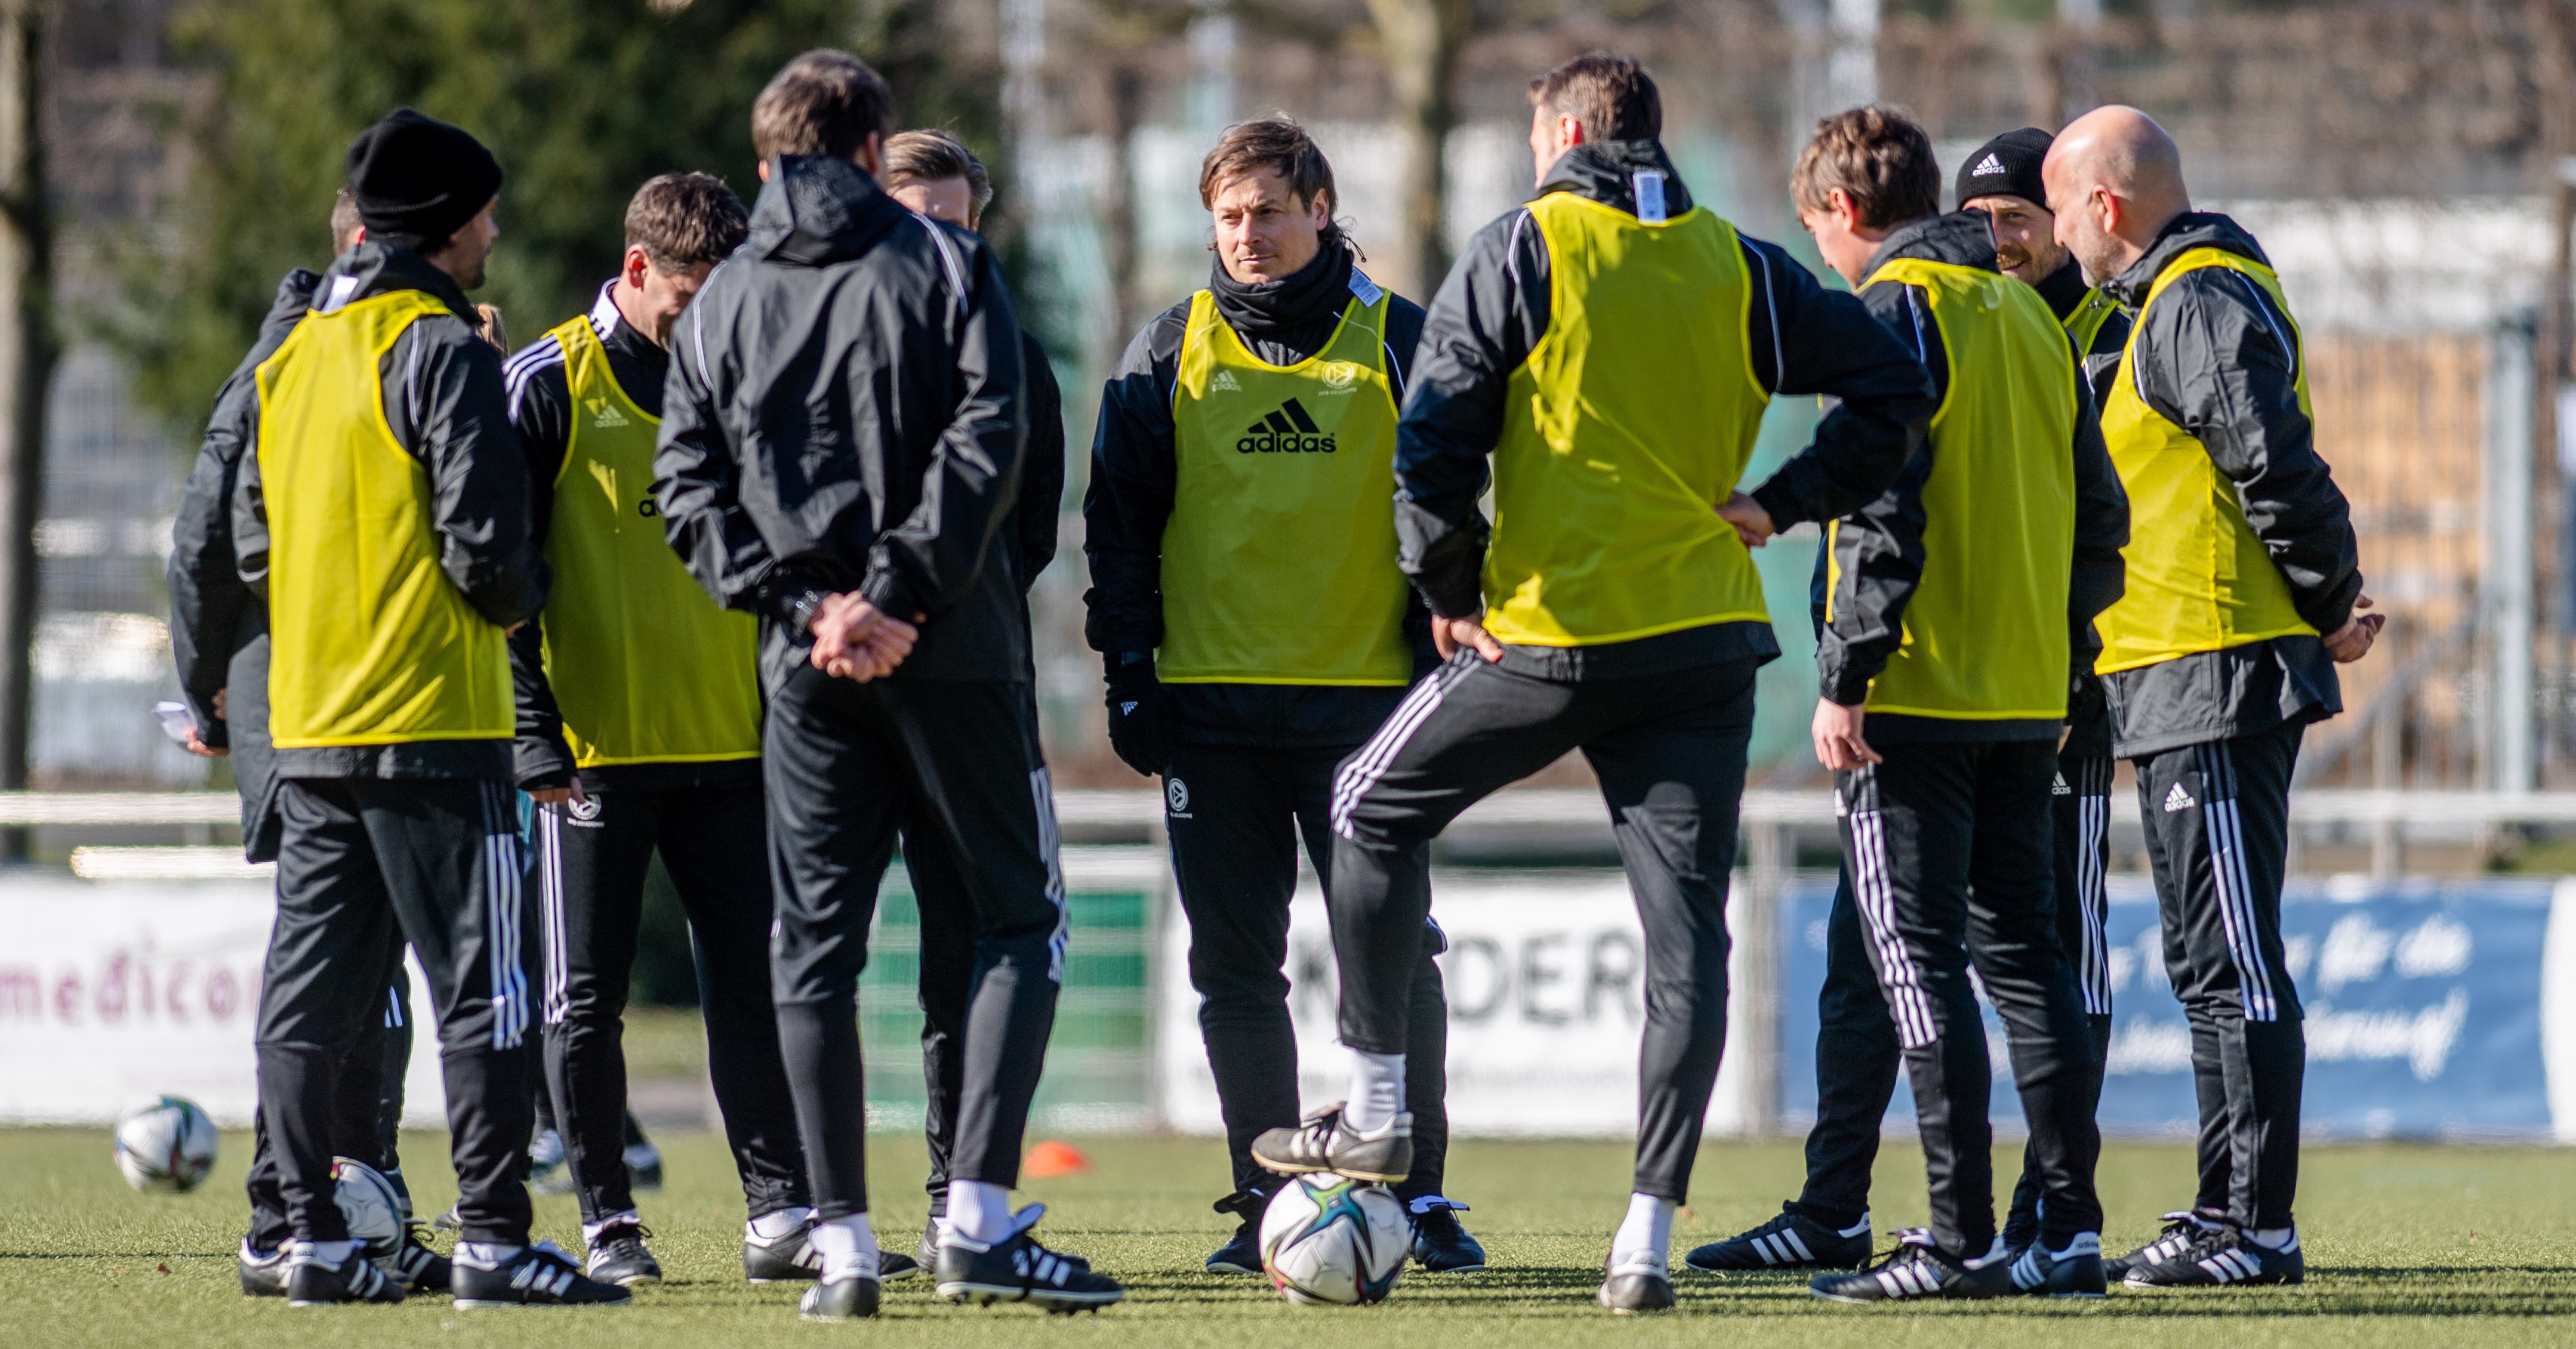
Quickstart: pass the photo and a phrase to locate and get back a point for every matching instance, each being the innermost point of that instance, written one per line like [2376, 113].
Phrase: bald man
[2244, 593]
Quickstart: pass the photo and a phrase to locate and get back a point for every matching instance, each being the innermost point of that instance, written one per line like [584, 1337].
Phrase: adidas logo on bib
[1987, 166]
[2178, 799]
[1224, 383]
[1288, 428]
[603, 415]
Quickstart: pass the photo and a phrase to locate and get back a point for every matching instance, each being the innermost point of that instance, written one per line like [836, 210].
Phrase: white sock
[848, 1247]
[1644, 1235]
[979, 1212]
[590, 1231]
[330, 1253]
[2273, 1238]
[486, 1254]
[777, 1223]
[1377, 1091]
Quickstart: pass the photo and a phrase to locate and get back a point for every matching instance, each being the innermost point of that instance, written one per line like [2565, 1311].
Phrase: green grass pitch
[2422, 1247]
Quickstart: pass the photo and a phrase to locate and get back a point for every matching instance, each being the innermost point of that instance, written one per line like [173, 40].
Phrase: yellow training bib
[2199, 580]
[1626, 427]
[370, 643]
[1279, 557]
[1985, 635]
[645, 665]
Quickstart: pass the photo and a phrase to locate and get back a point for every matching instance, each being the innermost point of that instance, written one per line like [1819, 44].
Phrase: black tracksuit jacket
[768, 505]
[443, 399]
[2216, 357]
[1129, 501]
[1879, 548]
[1497, 302]
[218, 627]
[541, 408]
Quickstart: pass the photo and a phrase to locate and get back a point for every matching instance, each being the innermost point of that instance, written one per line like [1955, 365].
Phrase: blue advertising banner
[2426, 1007]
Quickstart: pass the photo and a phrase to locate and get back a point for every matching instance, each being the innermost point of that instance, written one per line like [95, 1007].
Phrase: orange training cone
[1051, 1159]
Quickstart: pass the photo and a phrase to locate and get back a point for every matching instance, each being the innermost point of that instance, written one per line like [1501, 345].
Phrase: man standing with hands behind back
[2244, 593]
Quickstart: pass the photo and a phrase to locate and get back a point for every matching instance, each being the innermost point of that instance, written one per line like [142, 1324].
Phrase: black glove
[1142, 726]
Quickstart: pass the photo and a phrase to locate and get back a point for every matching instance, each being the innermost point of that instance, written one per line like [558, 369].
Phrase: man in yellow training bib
[1246, 600]
[1958, 606]
[2244, 592]
[1609, 350]
[382, 515]
[639, 732]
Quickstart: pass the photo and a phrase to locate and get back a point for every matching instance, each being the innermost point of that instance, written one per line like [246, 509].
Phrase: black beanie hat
[2008, 166]
[418, 180]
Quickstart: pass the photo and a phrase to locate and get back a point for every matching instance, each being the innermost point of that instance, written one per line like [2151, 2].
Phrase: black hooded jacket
[1878, 550]
[1130, 497]
[2219, 359]
[218, 626]
[443, 398]
[1496, 305]
[845, 411]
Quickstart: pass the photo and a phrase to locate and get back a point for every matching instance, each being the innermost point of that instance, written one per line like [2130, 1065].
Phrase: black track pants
[591, 863]
[1669, 750]
[2217, 818]
[1235, 814]
[436, 860]
[1857, 1056]
[366, 1106]
[1857, 1060]
[1948, 848]
[847, 764]
[2081, 811]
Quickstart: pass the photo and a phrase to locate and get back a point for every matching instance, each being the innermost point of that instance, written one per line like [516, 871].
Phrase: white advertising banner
[1546, 983]
[113, 993]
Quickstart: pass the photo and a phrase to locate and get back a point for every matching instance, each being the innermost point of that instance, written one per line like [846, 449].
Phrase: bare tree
[1420, 40]
[26, 362]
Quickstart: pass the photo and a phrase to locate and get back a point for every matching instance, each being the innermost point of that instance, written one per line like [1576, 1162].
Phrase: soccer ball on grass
[166, 1143]
[1331, 1241]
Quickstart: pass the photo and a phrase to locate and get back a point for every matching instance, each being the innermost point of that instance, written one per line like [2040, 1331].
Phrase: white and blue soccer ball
[166, 1143]
[370, 1205]
[1331, 1241]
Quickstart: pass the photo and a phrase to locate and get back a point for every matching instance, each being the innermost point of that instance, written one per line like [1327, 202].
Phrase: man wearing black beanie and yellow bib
[1246, 600]
[639, 711]
[383, 516]
[1607, 352]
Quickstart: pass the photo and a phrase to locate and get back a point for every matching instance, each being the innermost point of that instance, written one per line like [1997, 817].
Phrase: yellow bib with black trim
[370, 643]
[2084, 322]
[1279, 557]
[1623, 431]
[2199, 579]
[1985, 635]
[645, 665]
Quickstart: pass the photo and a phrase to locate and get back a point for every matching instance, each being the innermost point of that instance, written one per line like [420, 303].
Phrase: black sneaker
[415, 1266]
[1321, 1142]
[1241, 1254]
[2222, 1256]
[1791, 1241]
[1440, 1243]
[788, 1258]
[618, 1256]
[310, 1283]
[2073, 1272]
[839, 1300]
[2182, 1228]
[538, 1276]
[1915, 1270]
[1018, 1269]
[262, 1275]
[1635, 1289]
[644, 1167]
